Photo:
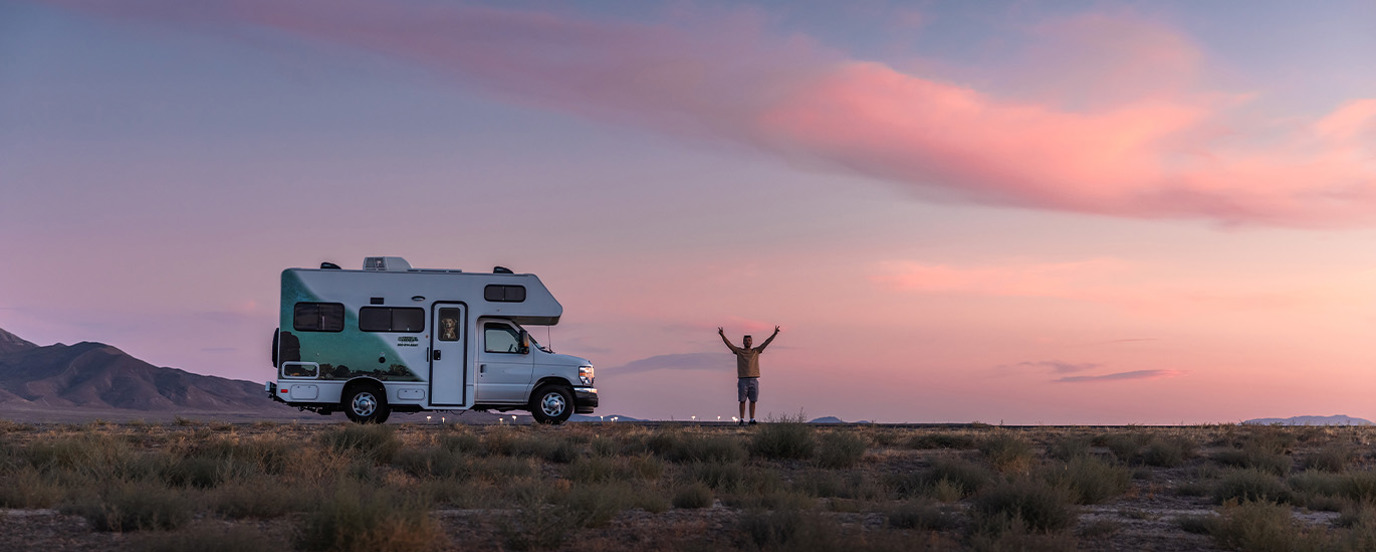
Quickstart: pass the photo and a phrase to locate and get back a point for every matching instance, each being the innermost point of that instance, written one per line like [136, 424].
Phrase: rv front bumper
[584, 399]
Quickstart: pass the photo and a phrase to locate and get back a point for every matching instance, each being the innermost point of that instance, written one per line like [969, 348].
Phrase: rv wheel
[366, 405]
[551, 404]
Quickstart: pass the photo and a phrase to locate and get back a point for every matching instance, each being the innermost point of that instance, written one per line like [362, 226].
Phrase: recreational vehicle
[394, 338]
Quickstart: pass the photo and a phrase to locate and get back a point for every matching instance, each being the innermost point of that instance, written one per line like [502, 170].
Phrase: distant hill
[1309, 421]
[10, 343]
[97, 377]
[834, 420]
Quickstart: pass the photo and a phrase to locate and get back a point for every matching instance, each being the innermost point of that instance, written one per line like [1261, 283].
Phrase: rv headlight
[585, 375]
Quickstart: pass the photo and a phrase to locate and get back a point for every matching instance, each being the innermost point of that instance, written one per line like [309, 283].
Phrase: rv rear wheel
[366, 405]
[552, 404]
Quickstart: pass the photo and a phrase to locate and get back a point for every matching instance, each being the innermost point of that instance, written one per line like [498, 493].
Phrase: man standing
[747, 370]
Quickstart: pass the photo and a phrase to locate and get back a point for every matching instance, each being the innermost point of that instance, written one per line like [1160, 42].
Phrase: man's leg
[742, 411]
[752, 411]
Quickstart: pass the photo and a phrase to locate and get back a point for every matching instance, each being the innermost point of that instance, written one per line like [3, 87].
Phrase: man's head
[747, 341]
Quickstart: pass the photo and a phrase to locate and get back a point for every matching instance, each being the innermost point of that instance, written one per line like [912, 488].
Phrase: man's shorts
[748, 388]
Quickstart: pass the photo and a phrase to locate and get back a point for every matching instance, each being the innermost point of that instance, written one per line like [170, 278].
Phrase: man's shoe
[741, 423]
[753, 422]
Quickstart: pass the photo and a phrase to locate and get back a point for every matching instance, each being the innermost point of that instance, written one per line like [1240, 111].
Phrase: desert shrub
[921, 514]
[268, 456]
[131, 506]
[1043, 508]
[1069, 447]
[1260, 527]
[1008, 453]
[594, 505]
[604, 446]
[593, 469]
[647, 467]
[205, 472]
[362, 519]
[790, 529]
[25, 487]
[461, 443]
[259, 498]
[1167, 452]
[1250, 485]
[375, 442]
[205, 538]
[840, 449]
[783, 439]
[1330, 458]
[1359, 486]
[431, 462]
[695, 495]
[537, 526]
[1124, 446]
[1091, 480]
[1255, 458]
[925, 441]
[92, 454]
[1317, 483]
[718, 476]
[677, 446]
[966, 477]
[503, 468]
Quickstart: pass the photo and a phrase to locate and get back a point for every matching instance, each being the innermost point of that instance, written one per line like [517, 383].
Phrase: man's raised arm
[721, 332]
[771, 338]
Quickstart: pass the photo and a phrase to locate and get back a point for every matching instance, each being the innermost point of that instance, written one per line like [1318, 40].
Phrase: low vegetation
[783, 485]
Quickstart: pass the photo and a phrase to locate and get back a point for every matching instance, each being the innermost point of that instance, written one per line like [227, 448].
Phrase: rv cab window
[501, 338]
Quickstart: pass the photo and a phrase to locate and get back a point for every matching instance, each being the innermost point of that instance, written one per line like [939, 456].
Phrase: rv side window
[391, 319]
[318, 317]
[504, 294]
[501, 338]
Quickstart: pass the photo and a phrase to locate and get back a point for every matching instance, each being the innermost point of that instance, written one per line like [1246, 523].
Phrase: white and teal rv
[394, 338]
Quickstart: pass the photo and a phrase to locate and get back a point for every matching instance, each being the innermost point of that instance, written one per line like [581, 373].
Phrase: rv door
[504, 366]
[448, 353]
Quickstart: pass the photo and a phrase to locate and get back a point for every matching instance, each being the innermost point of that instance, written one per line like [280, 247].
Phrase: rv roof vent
[501, 270]
[329, 266]
[386, 264]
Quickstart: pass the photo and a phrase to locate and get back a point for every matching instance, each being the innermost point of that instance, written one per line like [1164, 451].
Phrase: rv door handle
[482, 368]
[437, 354]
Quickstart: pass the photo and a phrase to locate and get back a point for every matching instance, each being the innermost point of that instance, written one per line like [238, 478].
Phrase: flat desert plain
[783, 485]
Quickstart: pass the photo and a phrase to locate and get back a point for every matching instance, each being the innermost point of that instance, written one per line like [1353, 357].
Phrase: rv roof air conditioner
[501, 270]
[386, 264]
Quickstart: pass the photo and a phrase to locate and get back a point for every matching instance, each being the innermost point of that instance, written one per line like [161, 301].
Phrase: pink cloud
[1120, 376]
[1135, 145]
[1067, 279]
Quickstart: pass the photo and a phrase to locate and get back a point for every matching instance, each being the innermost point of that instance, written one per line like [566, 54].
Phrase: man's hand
[720, 331]
[776, 329]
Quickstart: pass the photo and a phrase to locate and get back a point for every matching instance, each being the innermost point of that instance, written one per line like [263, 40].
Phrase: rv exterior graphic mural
[329, 336]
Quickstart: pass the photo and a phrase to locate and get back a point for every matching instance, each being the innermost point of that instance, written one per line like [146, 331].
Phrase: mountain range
[60, 382]
[1310, 421]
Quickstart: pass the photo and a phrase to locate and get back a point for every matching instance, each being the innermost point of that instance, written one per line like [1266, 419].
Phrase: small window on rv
[449, 325]
[504, 294]
[318, 317]
[391, 319]
[501, 338]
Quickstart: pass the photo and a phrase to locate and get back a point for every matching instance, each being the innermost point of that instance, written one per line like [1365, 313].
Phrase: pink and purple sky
[1071, 212]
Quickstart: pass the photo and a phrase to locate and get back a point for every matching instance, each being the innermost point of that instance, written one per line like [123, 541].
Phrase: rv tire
[552, 404]
[366, 404]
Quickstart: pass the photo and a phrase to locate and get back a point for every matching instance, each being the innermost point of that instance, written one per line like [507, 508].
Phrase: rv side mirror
[525, 342]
